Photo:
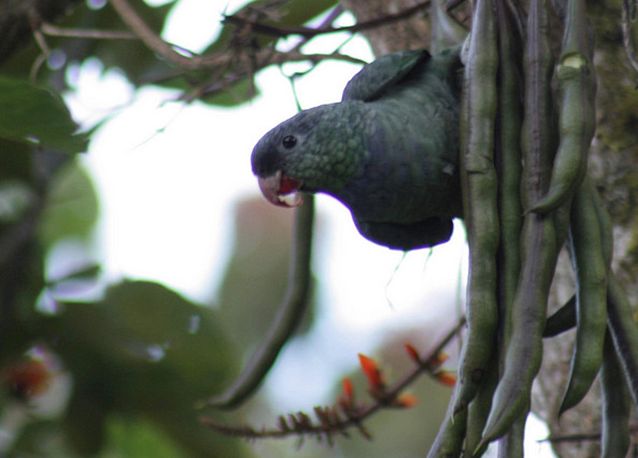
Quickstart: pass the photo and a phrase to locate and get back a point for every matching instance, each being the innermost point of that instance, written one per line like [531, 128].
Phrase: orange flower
[438, 359]
[347, 389]
[372, 372]
[412, 353]
[27, 379]
[407, 400]
[446, 378]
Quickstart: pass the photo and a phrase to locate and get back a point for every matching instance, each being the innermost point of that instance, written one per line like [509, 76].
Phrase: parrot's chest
[388, 193]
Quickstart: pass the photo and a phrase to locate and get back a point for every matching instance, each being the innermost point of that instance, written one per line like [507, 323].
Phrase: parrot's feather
[426, 233]
[388, 150]
[380, 75]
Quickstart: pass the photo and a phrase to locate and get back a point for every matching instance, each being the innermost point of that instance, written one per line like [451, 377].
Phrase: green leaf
[234, 95]
[15, 160]
[129, 437]
[170, 332]
[147, 352]
[72, 206]
[34, 115]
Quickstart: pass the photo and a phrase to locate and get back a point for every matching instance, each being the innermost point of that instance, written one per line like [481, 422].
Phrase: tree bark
[412, 33]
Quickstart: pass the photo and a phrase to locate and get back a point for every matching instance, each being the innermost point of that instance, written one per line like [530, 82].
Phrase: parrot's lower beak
[281, 190]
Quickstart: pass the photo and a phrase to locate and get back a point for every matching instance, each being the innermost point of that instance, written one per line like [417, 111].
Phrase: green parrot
[388, 151]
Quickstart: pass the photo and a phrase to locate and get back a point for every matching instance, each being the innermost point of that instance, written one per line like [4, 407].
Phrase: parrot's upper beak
[281, 190]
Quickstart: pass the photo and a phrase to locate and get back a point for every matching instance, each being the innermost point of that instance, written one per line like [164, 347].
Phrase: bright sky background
[169, 175]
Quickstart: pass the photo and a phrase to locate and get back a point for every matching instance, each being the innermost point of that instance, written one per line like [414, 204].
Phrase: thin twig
[92, 34]
[151, 39]
[579, 437]
[326, 22]
[262, 59]
[308, 32]
[354, 417]
[41, 41]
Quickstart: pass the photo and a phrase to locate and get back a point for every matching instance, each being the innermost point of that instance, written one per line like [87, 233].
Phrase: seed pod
[480, 202]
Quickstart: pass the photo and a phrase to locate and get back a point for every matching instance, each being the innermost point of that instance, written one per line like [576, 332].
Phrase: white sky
[168, 176]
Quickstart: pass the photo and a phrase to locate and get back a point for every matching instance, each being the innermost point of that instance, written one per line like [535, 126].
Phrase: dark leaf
[72, 206]
[34, 115]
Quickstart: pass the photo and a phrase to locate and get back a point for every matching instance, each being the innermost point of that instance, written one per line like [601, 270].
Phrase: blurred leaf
[72, 206]
[130, 438]
[145, 351]
[137, 62]
[234, 95]
[15, 198]
[149, 328]
[85, 421]
[15, 160]
[164, 329]
[86, 272]
[35, 115]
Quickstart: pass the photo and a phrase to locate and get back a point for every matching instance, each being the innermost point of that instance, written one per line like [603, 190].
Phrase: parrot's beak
[281, 190]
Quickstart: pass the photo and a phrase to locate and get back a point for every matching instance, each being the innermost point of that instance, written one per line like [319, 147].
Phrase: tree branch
[309, 32]
[261, 60]
[93, 34]
[330, 422]
[257, 61]
[152, 40]
[580, 437]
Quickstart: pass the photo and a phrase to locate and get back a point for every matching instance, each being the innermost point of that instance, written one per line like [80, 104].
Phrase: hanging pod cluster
[526, 195]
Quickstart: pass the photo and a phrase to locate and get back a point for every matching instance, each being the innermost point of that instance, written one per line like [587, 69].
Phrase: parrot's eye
[289, 141]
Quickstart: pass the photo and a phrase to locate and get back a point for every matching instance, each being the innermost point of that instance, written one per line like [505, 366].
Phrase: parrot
[388, 150]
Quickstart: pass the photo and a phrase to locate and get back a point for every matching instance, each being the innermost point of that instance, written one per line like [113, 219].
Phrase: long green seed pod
[289, 315]
[625, 334]
[539, 240]
[479, 410]
[480, 201]
[508, 162]
[449, 440]
[577, 112]
[509, 170]
[591, 296]
[616, 405]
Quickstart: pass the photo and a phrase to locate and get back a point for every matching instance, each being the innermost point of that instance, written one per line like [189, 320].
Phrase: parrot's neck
[331, 162]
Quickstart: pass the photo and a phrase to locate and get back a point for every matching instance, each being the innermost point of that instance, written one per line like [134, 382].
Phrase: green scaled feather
[388, 151]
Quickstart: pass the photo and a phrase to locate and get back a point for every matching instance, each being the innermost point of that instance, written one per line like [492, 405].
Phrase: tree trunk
[412, 33]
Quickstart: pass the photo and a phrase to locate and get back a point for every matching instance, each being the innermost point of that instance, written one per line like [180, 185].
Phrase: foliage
[37, 116]
[136, 357]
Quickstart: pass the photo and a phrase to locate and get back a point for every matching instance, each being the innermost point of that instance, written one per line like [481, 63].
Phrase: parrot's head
[302, 154]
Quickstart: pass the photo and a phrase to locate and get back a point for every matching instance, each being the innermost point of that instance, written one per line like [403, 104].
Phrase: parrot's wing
[378, 76]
